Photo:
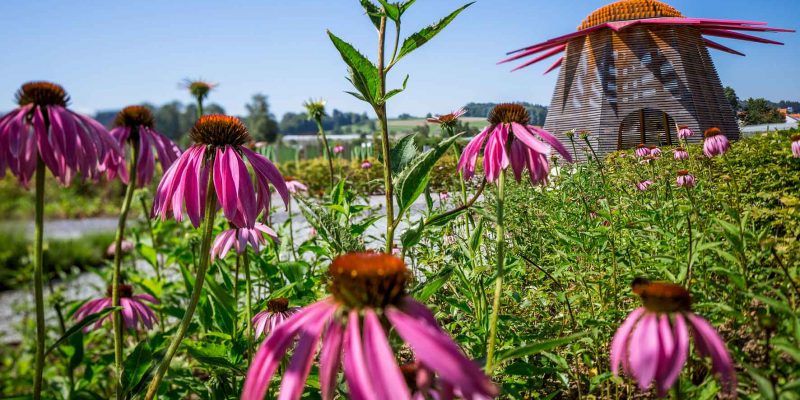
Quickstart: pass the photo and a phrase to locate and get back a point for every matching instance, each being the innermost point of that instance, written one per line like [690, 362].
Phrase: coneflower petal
[272, 349]
[525, 136]
[267, 172]
[679, 355]
[355, 365]
[330, 358]
[710, 344]
[300, 365]
[552, 141]
[619, 344]
[469, 156]
[390, 383]
[644, 350]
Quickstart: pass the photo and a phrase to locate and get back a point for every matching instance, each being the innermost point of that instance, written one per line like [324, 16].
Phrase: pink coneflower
[444, 196]
[338, 149]
[511, 141]
[642, 186]
[796, 146]
[655, 151]
[68, 143]
[295, 186]
[368, 293]
[238, 239]
[652, 345]
[218, 149]
[126, 246]
[134, 311]
[448, 120]
[684, 132]
[685, 179]
[366, 164]
[681, 154]
[277, 312]
[716, 143]
[642, 151]
[134, 126]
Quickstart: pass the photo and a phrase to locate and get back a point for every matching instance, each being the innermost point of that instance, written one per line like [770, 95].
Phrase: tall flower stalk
[134, 126]
[316, 112]
[213, 171]
[199, 89]
[43, 133]
[369, 80]
[509, 141]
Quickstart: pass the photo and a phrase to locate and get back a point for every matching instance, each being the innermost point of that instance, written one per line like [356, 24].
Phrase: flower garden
[518, 263]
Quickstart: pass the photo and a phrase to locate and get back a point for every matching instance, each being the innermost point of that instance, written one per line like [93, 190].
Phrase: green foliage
[760, 111]
[260, 121]
[364, 75]
[418, 39]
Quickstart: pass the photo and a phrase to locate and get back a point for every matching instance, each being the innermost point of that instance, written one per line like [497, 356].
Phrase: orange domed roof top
[625, 10]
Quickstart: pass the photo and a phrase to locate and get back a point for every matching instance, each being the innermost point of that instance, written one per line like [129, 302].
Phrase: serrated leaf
[373, 12]
[364, 74]
[406, 5]
[393, 92]
[412, 234]
[402, 153]
[136, 367]
[418, 39]
[412, 181]
[392, 10]
[215, 355]
[429, 288]
[537, 347]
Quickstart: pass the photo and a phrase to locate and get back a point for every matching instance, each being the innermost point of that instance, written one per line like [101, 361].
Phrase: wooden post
[642, 128]
[666, 128]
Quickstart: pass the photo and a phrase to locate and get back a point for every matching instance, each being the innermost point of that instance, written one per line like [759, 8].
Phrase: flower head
[368, 293]
[315, 109]
[135, 312]
[126, 247]
[277, 312]
[655, 151]
[796, 146]
[685, 179]
[134, 126]
[295, 186]
[652, 345]
[338, 149]
[218, 154]
[448, 120]
[366, 164]
[642, 186]
[510, 140]
[239, 238]
[715, 143]
[199, 89]
[684, 132]
[642, 151]
[68, 143]
[444, 196]
[681, 154]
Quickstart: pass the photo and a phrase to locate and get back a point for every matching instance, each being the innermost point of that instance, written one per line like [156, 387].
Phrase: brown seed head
[683, 172]
[198, 88]
[508, 113]
[710, 132]
[132, 116]
[796, 138]
[125, 291]
[662, 297]
[219, 130]
[360, 280]
[42, 93]
[278, 305]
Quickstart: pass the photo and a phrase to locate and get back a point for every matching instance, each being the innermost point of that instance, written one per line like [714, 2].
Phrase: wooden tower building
[636, 70]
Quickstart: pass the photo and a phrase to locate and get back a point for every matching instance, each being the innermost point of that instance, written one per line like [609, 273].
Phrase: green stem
[236, 296]
[115, 280]
[380, 110]
[199, 107]
[38, 280]
[326, 148]
[291, 232]
[248, 301]
[205, 253]
[498, 283]
[157, 266]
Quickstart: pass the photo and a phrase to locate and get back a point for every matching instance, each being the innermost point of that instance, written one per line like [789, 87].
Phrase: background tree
[760, 111]
[733, 99]
[260, 121]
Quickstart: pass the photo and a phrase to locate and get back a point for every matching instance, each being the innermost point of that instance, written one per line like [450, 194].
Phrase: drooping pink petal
[267, 172]
[552, 141]
[438, 351]
[643, 350]
[272, 350]
[518, 159]
[679, 355]
[466, 164]
[524, 135]
[389, 381]
[619, 344]
[296, 374]
[356, 372]
[330, 358]
[711, 344]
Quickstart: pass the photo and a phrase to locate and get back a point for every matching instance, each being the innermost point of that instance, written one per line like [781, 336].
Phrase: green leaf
[537, 347]
[212, 354]
[764, 385]
[90, 319]
[402, 153]
[418, 39]
[429, 288]
[413, 234]
[373, 12]
[412, 180]
[136, 367]
[363, 74]
[393, 92]
[406, 5]
[392, 10]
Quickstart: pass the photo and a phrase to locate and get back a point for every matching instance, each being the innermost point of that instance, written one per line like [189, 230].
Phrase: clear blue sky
[109, 54]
